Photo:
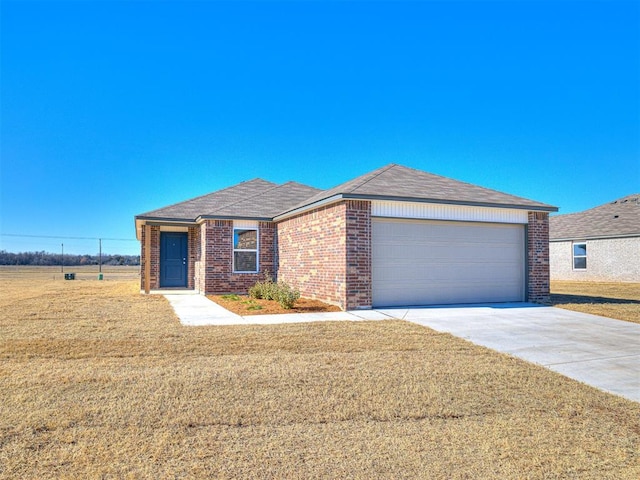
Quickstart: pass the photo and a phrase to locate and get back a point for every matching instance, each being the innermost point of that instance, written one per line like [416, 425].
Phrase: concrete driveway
[599, 351]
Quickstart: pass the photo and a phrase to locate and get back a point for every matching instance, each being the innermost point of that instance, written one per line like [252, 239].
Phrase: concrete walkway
[198, 310]
[601, 352]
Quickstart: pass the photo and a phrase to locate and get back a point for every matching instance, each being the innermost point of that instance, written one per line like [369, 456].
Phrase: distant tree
[49, 259]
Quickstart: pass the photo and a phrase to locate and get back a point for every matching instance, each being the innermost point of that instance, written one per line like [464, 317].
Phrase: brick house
[394, 236]
[599, 244]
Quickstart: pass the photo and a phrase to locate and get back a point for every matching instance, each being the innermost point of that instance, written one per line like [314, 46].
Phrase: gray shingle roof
[267, 204]
[614, 219]
[253, 199]
[402, 183]
[260, 199]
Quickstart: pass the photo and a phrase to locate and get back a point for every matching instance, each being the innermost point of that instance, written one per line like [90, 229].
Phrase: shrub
[286, 295]
[282, 292]
[270, 290]
[267, 289]
[256, 290]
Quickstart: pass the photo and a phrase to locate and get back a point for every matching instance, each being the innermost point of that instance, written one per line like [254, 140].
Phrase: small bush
[270, 290]
[282, 292]
[267, 289]
[256, 290]
[287, 296]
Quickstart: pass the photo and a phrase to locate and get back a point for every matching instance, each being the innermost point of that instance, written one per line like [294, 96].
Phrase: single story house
[395, 236]
[599, 244]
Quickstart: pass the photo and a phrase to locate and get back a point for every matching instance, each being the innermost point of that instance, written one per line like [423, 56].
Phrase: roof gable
[614, 219]
[397, 182]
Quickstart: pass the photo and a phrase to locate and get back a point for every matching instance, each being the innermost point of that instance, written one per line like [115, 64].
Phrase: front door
[173, 259]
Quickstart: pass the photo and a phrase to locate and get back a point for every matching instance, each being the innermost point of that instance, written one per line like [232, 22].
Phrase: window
[579, 256]
[245, 250]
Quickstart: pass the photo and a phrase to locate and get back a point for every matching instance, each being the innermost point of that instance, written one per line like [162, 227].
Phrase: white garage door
[419, 262]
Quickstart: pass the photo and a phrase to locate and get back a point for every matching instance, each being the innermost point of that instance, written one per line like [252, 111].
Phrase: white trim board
[437, 211]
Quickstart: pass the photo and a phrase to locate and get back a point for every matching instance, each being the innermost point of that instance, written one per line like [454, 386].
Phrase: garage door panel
[443, 294]
[436, 262]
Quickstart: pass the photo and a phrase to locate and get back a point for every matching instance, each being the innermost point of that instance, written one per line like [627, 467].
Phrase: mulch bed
[243, 305]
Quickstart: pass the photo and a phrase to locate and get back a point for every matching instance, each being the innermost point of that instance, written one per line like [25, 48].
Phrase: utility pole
[100, 255]
[62, 259]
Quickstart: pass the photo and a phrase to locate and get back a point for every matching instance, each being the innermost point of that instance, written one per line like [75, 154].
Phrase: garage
[428, 262]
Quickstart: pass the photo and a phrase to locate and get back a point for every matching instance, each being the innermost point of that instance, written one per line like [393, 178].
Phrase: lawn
[101, 382]
[613, 300]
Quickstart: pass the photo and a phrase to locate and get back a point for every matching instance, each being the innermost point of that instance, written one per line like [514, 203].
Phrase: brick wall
[193, 247]
[199, 263]
[214, 267]
[608, 260]
[312, 251]
[538, 257]
[143, 260]
[358, 281]
[154, 276]
[326, 254]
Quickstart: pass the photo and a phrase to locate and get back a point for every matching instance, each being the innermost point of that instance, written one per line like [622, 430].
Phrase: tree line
[52, 259]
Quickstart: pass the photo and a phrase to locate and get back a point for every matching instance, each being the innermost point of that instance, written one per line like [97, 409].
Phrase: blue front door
[173, 259]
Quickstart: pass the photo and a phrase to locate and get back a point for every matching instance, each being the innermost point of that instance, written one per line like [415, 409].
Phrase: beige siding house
[600, 244]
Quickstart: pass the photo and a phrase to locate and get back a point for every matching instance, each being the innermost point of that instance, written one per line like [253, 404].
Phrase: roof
[262, 200]
[257, 199]
[620, 218]
[396, 182]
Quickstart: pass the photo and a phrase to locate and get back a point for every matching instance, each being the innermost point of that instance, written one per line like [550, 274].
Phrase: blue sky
[110, 109]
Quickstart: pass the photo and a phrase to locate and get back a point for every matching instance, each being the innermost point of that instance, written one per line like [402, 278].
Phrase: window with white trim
[580, 256]
[245, 250]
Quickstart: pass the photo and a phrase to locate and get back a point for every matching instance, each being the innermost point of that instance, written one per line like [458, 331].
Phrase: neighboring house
[602, 243]
[395, 236]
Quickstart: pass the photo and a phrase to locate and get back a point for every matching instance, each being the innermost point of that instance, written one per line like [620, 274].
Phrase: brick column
[358, 251]
[193, 255]
[144, 263]
[200, 272]
[538, 257]
[150, 237]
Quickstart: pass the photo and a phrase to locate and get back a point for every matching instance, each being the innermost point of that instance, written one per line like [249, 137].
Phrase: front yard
[613, 300]
[101, 382]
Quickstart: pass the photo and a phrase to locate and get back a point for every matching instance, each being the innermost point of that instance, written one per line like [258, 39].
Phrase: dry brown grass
[101, 382]
[613, 300]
